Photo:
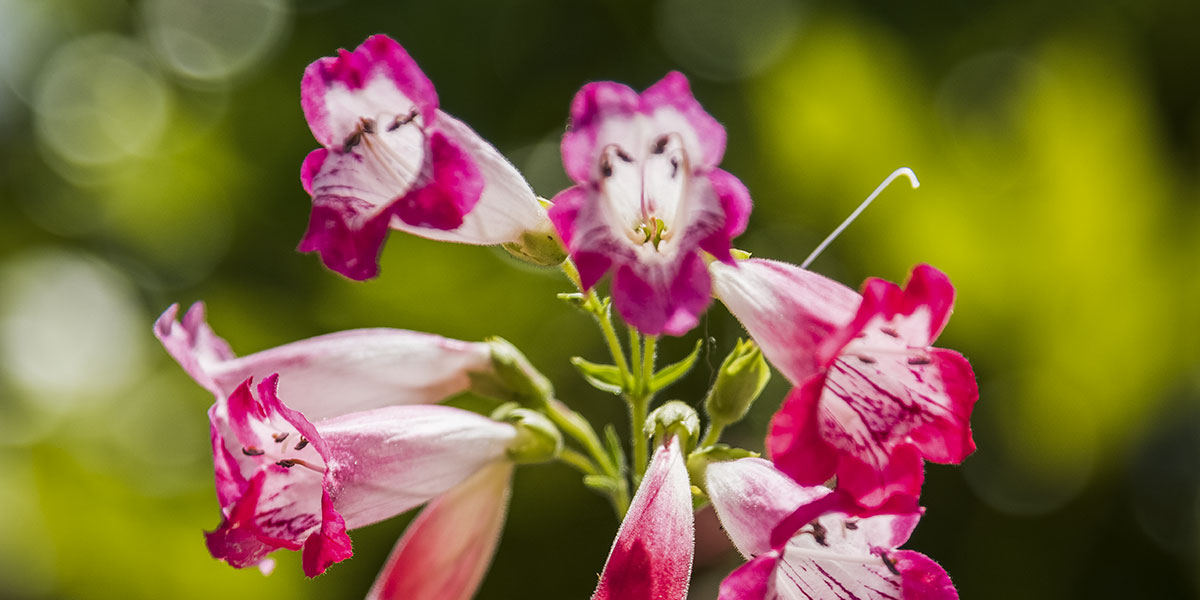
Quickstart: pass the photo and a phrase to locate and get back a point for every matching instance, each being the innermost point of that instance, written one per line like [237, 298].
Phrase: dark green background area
[1057, 144]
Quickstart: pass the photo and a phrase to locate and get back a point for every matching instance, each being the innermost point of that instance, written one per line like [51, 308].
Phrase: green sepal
[674, 372]
[615, 450]
[674, 418]
[606, 378]
[698, 461]
[741, 378]
[537, 440]
[575, 299]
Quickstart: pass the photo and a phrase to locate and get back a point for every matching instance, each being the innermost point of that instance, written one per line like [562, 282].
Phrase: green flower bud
[538, 440]
[698, 461]
[740, 380]
[541, 246]
[674, 418]
[512, 378]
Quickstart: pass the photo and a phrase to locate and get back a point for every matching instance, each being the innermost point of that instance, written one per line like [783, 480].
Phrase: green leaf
[674, 372]
[615, 450]
[606, 378]
[601, 483]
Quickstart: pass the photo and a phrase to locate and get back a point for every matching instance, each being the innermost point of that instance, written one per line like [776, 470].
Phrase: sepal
[674, 419]
[740, 379]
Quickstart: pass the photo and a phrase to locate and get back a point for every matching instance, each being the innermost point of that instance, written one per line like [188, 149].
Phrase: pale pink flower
[802, 546]
[872, 397]
[332, 374]
[651, 559]
[391, 159]
[649, 197]
[285, 482]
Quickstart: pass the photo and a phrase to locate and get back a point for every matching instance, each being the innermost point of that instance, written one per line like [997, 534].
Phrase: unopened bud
[514, 378]
[538, 440]
[698, 461]
[740, 380]
[540, 246]
[674, 418]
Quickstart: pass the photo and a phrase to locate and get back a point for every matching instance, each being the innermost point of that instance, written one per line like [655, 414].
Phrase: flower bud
[674, 418]
[538, 440]
[542, 246]
[513, 378]
[698, 461]
[740, 380]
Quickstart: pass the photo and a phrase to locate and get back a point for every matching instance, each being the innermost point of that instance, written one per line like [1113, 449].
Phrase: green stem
[713, 435]
[593, 305]
[578, 460]
[635, 350]
[570, 423]
[638, 405]
[648, 363]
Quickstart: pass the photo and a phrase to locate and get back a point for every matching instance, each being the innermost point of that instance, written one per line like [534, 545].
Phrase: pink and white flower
[391, 159]
[649, 197]
[872, 398]
[446, 551]
[286, 482]
[651, 559]
[332, 374]
[801, 545]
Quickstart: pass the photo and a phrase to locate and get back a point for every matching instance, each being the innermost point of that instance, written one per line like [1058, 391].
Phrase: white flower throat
[646, 189]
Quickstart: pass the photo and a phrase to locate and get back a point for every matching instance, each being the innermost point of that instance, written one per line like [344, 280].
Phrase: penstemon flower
[872, 397]
[827, 554]
[344, 430]
[652, 555]
[391, 159]
[649, 197]
[285, 482]
[332, 374]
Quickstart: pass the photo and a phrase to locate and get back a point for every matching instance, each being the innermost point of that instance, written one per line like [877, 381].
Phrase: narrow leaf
[602, 377]
[674, 372]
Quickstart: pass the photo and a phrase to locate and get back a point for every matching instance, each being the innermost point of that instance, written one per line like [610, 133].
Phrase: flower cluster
[318, 437]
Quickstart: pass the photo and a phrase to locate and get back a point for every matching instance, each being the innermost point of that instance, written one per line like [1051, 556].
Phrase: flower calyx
[674, 418]
[538, 440]
[740, 379]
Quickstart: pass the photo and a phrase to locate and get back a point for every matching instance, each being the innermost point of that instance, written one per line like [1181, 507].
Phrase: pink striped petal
[651, 559]
[332, 374]
[832, 555]
[790, 312]
[446, 551]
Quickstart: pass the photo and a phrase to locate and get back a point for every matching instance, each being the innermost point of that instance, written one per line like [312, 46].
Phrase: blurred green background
[149, 154]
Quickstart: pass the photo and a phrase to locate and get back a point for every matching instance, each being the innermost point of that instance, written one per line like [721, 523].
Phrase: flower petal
[661, 298]
[445, 552]
[385, 461]
[923, 579]
[378, 78]
[751, 498]
[673, 108]
[507, 206]
[791, 312]
[330, 544]
[332, 374]
[600, 113]
[735, 206]
[794, 439]
[754, 580]
[451, 192]
[651, 559]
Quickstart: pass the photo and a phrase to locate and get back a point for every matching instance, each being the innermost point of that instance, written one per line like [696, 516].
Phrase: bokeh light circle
[70, 329]
[213, 40]
[726, 41]
[99, 101]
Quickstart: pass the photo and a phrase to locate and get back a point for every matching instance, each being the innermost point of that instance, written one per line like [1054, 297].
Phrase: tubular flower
[391, 159]
[801, 545]
[872, 397]
[285, 482]
[651, 559]
[331, 374]
[446, 551]
[649, 197]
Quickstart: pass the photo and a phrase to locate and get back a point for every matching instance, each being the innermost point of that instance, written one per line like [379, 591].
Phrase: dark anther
[819, 532]
[625, 157]
[851, 525]
[919, 360]
[866, 359]
[402, 120]
[889, 331]
[279, 437]
[286, 463]
[890, 564]
[660, 145]
[605, 167]
[368, 125]
[351, 141]
[674, 167]
[301, 444]
[252, 451]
